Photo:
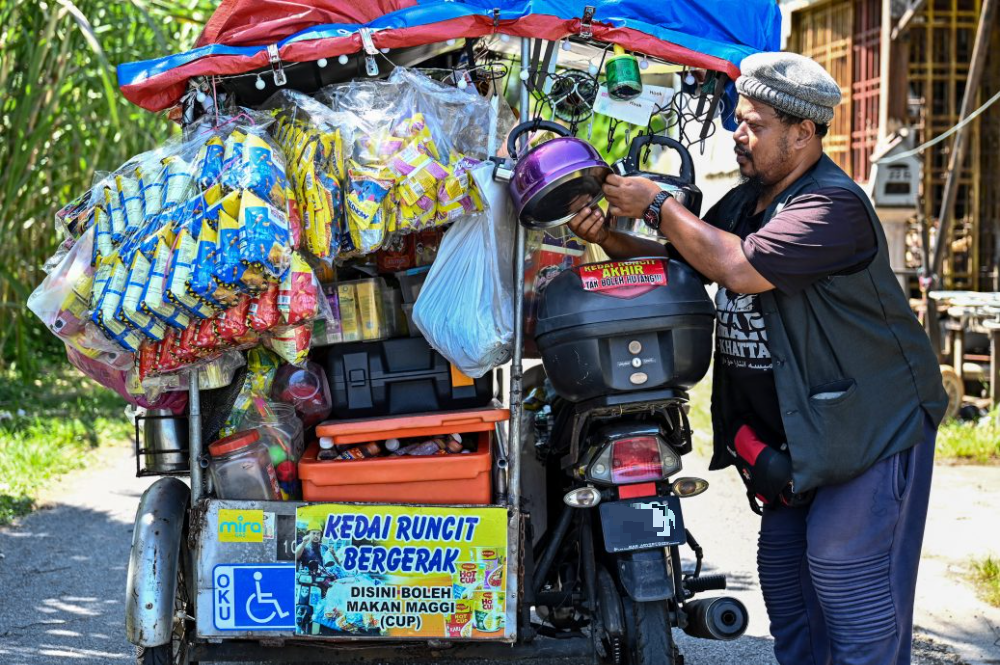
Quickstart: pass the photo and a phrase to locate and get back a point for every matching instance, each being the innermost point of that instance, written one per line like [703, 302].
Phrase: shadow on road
[62, 588]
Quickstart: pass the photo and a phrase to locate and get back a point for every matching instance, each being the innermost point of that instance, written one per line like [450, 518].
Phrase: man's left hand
[629, 197]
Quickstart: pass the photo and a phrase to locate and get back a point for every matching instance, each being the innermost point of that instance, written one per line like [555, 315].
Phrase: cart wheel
[955, 390]
[176, 652]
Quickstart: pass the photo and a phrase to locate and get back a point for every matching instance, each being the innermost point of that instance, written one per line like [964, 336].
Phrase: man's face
[315, 535]
[762, 142]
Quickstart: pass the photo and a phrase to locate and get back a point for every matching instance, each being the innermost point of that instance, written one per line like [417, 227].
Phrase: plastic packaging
[261, 368]
[241, 468]
[172, 247]
[465, 308]
[307, 389]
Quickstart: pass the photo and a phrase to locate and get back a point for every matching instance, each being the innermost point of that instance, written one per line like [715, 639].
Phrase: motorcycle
[612, 562]
[621, 343]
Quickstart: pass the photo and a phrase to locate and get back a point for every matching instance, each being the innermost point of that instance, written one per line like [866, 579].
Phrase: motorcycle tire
[650, 639]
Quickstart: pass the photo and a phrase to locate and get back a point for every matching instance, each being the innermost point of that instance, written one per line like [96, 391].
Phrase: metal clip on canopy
[371, 64]
[587, 24]
[279, 72]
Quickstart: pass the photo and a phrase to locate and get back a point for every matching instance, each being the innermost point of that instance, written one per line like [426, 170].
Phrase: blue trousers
[838, 575]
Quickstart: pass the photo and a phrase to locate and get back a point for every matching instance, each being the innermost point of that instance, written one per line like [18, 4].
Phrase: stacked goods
[183, 253]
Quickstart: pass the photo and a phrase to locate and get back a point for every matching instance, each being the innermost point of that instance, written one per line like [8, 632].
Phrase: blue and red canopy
[709, 34]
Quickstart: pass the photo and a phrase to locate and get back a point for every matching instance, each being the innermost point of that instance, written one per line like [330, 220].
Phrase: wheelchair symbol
[264, 598]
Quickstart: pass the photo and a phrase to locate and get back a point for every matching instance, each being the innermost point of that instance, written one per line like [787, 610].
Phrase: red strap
[748, 445]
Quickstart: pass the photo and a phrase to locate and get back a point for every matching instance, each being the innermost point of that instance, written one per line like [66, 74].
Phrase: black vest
[855, 373]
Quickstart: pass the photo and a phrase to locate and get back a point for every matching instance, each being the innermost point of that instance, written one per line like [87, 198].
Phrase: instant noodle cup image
[459, 623]
[490, 560]
[487, 611]
[468, 579]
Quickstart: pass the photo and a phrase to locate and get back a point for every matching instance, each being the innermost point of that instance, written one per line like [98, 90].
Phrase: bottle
[326, 451]
[431, 447]
[364, 451]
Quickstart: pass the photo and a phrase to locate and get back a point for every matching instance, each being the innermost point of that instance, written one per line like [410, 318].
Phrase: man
[826, 393]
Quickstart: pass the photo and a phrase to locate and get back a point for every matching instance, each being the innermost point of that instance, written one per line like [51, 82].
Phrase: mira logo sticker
[241, 526]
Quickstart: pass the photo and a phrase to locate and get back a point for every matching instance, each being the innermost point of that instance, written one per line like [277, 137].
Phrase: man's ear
[805, 131]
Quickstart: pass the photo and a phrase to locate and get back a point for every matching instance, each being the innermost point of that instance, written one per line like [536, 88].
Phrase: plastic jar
[306, 388]
[241, 468]
[280, 432]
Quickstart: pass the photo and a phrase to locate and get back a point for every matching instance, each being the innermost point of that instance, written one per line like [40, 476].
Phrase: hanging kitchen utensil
[680, 186]
[553, 181]
[621, 73]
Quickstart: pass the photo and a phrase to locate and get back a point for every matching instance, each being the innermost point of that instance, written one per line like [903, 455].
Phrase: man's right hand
[589, 224]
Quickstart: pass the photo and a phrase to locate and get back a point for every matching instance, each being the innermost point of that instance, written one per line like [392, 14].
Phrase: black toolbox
[396, 377]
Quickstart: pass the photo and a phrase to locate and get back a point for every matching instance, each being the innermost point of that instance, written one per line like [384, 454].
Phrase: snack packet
[208, 163]
[291, 343]
[182, 259]
[261, 368]
[232, 324]
[263, 312]
[298, 296]
[263, 237]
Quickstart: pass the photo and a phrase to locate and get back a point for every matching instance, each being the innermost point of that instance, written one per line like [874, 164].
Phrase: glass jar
[280, 432]
[241, 468]
[306, 388]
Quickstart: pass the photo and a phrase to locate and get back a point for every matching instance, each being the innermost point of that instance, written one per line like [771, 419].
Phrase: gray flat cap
[791, 83]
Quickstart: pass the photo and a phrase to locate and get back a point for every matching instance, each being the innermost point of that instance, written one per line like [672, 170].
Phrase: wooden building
[929, 65]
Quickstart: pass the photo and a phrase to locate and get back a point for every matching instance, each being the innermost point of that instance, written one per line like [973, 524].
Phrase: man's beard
[756, 185]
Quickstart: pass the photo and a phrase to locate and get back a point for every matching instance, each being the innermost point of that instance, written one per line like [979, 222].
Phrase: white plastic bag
[466, 307]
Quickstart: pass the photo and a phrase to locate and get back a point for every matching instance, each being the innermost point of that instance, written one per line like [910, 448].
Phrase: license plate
[642, 524]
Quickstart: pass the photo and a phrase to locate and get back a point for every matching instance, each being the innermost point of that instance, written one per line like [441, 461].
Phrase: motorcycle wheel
[176, 652]
[650, 639]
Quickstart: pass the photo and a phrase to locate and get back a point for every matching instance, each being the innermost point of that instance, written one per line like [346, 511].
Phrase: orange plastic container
[436, 479]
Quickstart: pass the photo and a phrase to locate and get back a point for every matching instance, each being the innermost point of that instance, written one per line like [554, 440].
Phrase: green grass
[49, 426]
[986, 575]
[701, 416]
[977, 442]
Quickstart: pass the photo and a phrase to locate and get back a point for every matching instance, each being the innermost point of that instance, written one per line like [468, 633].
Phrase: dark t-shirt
[815, 236]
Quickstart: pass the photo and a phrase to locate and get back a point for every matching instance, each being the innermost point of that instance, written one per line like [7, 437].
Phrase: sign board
[624, 279]
[400, 571]
[254, 596]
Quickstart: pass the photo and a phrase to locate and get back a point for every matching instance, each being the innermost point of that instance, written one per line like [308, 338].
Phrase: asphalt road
[62, 575]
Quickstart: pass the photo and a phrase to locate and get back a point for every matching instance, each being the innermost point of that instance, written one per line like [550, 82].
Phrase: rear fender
[646, 575]
[153, 562]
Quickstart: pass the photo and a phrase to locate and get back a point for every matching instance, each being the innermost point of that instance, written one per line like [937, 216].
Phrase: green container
[621, 73]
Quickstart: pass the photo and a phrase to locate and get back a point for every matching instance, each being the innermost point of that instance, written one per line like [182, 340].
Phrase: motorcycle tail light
[638, 459]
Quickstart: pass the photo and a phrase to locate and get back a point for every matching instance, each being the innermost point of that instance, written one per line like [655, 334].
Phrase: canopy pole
[516, 368]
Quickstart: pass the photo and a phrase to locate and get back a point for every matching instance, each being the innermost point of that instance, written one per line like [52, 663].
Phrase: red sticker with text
[624, 279]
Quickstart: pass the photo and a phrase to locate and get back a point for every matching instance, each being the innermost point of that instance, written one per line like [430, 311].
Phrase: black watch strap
[652, 216]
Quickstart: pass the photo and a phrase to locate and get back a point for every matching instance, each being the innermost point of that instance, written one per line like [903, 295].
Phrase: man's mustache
[740, 150]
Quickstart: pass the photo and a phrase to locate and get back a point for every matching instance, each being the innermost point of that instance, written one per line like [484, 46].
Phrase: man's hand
[589, 225]
[629, 197]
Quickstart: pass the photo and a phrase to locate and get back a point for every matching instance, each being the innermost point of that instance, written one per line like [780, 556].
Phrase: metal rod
[549, 555]
[516, 368]
[983, 33]
[194, 437]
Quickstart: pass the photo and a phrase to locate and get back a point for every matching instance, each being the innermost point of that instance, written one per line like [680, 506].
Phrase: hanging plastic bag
[466, 308]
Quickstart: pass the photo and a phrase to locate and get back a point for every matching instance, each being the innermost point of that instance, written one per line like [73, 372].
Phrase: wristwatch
[652, 214]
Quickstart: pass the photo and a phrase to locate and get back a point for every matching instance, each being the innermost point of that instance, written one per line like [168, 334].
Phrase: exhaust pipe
[722, 618]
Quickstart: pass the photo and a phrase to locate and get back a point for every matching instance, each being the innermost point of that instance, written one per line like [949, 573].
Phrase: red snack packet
[168, 359]
[294, 218]
[147, 358]
[263, 311]
[185, 350]
[232, 324]
[207, 337]
[396, 254]
[297, 297]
